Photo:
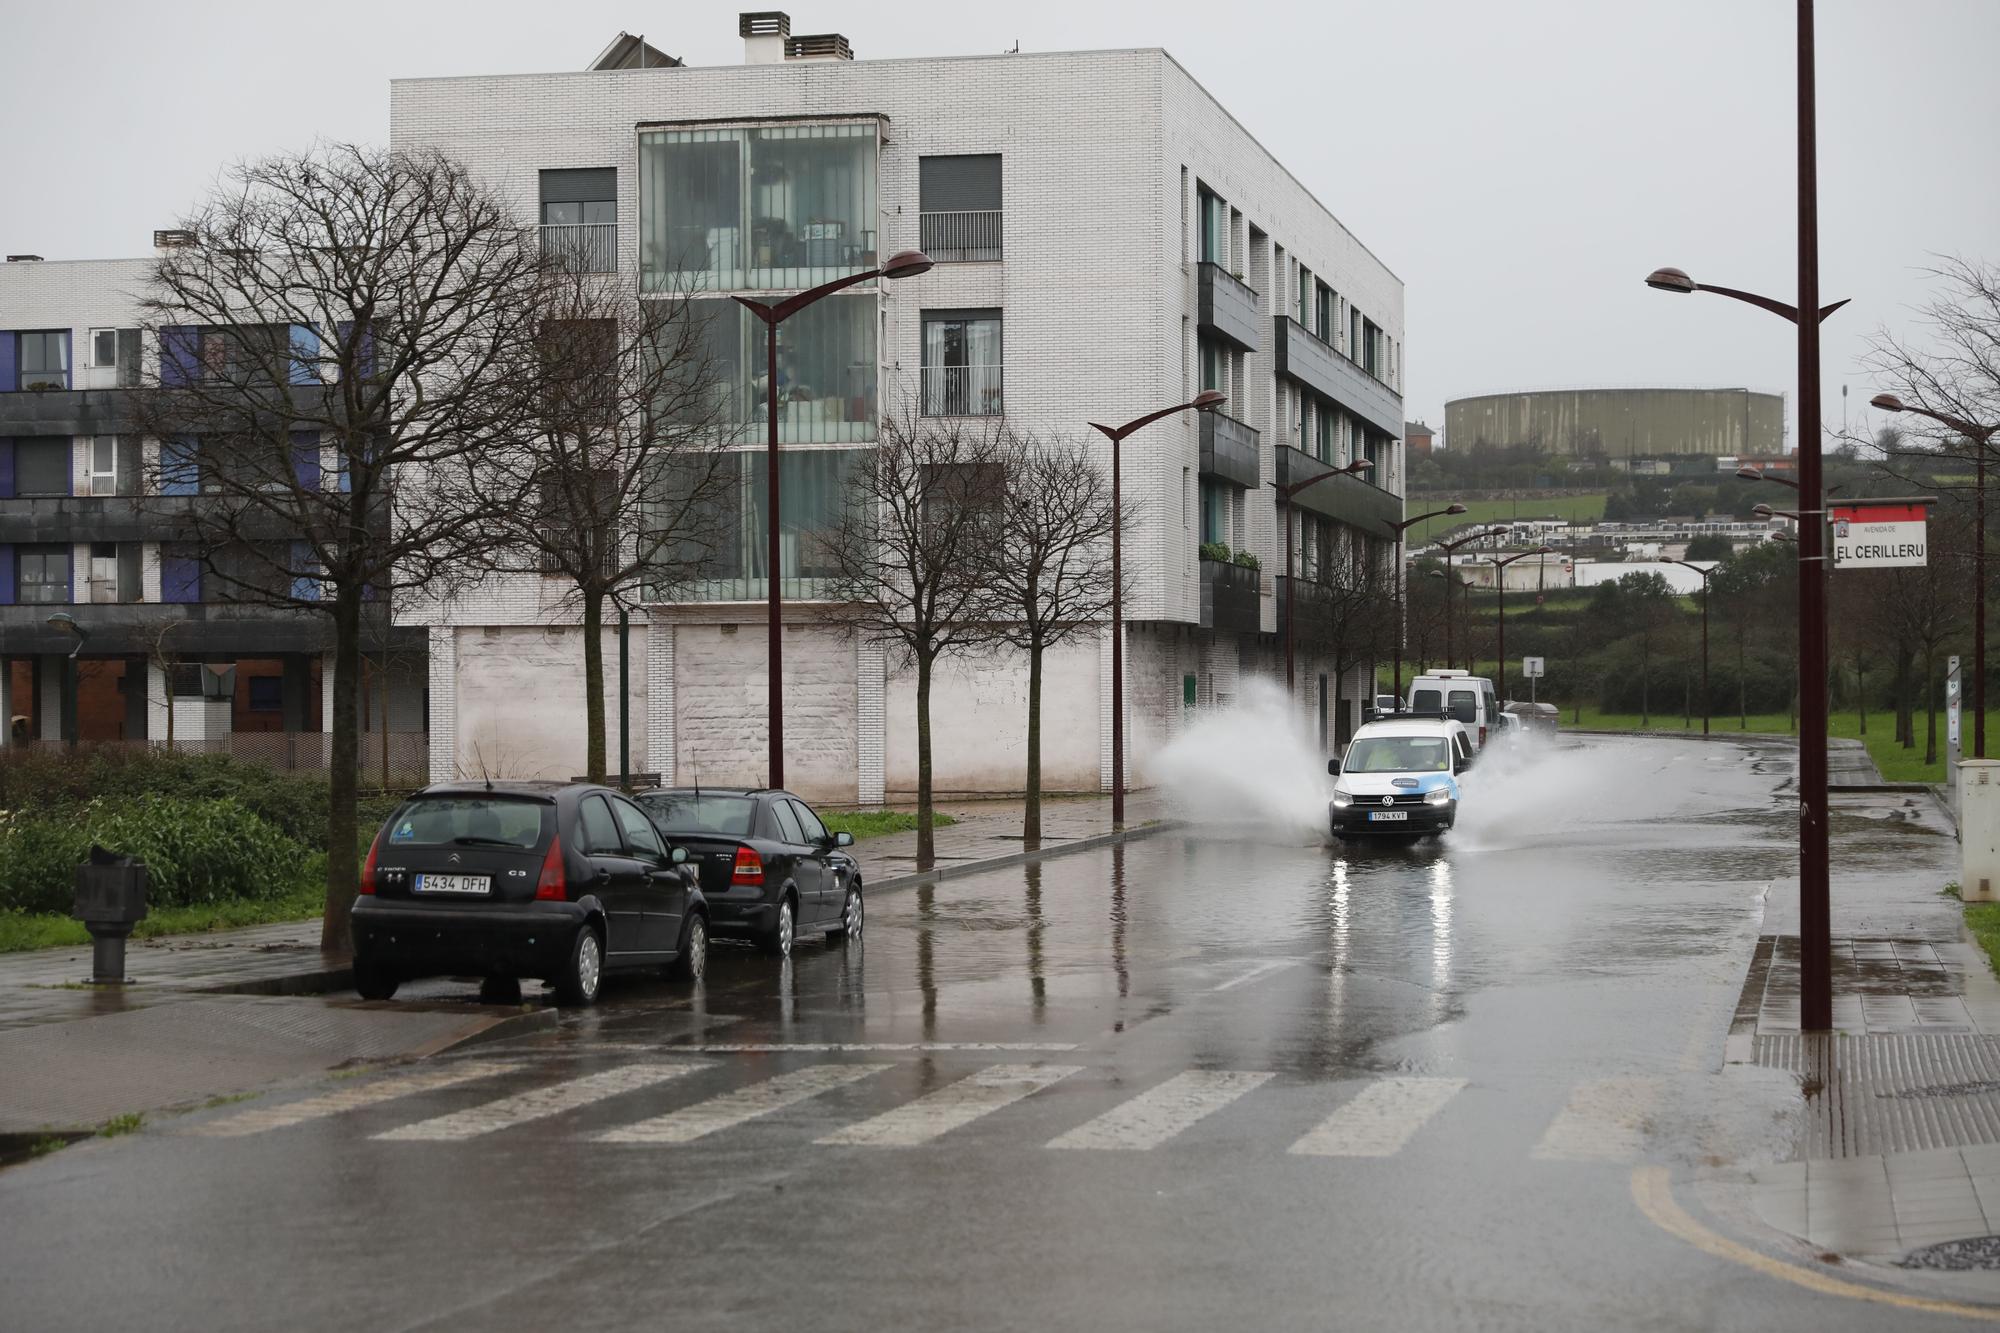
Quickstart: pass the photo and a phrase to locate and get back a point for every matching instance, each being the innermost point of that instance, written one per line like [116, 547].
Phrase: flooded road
[1227, 1075]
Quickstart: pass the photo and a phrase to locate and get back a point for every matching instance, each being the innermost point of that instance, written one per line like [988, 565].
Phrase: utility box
[1979, 830]
[110, 900]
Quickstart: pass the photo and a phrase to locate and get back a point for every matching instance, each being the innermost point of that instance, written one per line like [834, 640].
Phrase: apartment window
[1323, 322]
[41, 575]
[116, 350]
[113, 466]
[1216, 513]
[580, 218]
[42, 466]
[44, 359]
[1353, 333]
[767, 207]
[246, 354]
[267, 694]
[114, 572]
[1325, 446]
[813, 487]
[1214, 365]
[1371, 345]
[1302, 298]
[962, 363]
[826, 368]
[1214, 219]
[959, 199]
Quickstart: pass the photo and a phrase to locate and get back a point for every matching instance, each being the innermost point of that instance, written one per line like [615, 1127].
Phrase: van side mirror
[1333, 765]
[843, 839]
[678, 856]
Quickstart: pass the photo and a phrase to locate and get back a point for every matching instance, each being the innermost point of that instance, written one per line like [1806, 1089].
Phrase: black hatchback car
[769, 867]
[503, 880]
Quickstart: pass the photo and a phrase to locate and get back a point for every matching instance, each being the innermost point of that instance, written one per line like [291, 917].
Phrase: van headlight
[1438, 796]
[1342, 798]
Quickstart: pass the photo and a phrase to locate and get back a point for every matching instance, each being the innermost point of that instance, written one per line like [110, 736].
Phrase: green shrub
[1245, 560]
[1217, 551]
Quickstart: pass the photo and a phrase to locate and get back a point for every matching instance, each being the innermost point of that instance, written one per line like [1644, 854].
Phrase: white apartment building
[1109, 240]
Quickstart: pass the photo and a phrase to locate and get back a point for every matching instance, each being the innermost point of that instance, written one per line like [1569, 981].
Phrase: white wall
[520, 702]
[979, 721]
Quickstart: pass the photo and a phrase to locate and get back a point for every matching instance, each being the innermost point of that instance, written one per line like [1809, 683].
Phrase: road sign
[1531, 668]
[1879, 534]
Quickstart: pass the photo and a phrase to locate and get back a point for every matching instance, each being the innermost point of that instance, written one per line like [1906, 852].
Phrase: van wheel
[372, 981]
[583, 973]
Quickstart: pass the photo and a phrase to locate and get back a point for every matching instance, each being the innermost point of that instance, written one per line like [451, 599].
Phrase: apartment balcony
[1303, 357]
[1348, 499]
[125, 518]
[963, 391]
[131, 627]
[65, 412]
[583, 247]
[961, 238]
[1229, 450]
[1228, 306]
[1229, 597]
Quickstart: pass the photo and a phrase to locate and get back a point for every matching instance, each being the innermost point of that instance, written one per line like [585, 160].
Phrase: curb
[499, 1027]
[323, 981]
[1024, 857]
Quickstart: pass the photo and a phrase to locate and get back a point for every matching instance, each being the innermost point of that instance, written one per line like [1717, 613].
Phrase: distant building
[1623, 424]
[1416, 439]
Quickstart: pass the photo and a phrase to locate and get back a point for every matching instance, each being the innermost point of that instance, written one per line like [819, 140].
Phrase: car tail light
[749, 867]
[1482, 735]
[554, 883]
[368, 869]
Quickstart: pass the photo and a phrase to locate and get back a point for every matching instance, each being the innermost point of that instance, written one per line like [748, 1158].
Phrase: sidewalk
[221, 1014]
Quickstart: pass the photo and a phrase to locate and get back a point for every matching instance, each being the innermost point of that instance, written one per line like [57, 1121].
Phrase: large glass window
[1214, 228]
[962, 363]
[826, 368]
[42, 465]
[812, 495]
[1214, 365]
[41, 575]
[1323, 324]
[1215, 513]
[45, 360]
[770, 207]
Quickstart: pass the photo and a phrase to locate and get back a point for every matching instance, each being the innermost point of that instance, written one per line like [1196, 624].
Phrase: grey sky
[1521, 164]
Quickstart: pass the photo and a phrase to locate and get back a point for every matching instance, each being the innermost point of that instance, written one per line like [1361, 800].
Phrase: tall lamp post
[1500, 600]
[1287, 491]
[1451, 581]
[1815, 905]
[1449, 548]
[1396, 682]
[907, 264]
[1704, 633]
[1206, 401]
[62, 620]
[1982, 439]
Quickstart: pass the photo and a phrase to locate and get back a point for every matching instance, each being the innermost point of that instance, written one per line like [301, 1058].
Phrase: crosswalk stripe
[951, 1106]
[258, 1119]
[538, 1103]
[733, 1108]
[1604, 1120]
[1379, 1121]
[1159, 1113]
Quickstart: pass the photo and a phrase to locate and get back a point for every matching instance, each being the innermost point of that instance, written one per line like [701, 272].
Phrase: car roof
[716, 791]
[542, 789]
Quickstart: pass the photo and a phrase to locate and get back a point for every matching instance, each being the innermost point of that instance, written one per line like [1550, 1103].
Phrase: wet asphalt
[1232, 1077]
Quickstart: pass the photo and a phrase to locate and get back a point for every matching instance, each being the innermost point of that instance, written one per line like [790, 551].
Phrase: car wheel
[584, 972]
[850, 917]
[500, 990]
[691, 964]
[372, 981]
[778, 939]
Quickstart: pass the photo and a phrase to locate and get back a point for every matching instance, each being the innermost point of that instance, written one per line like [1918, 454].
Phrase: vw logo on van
[1388, 800]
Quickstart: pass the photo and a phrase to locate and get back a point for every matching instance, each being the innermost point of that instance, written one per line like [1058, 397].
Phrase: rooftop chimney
[764, 36]
[24, 259]
[172, 240]
[818, 46]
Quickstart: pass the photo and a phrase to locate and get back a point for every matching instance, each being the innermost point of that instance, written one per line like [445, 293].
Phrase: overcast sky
[1520, 164]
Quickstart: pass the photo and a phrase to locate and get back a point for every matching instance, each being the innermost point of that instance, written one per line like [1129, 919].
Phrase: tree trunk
[593, 683]
[1930, 708]
[1742, 684]
[1861, 694]
[926, 849]
[168, 671]
[1905, 725]
[382, 711]
[1031, 815]
[1645, 681]
[342, 872]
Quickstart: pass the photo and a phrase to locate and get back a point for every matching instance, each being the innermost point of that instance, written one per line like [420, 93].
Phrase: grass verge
[21, 931]
[1897, 763]
[1576, 506]
[1983, 920]
[865, 824]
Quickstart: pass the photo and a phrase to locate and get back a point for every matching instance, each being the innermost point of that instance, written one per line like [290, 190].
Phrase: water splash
[1530, 788]
[1250, 767]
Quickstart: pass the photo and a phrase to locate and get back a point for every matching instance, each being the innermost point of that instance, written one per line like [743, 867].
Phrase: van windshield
[1464, 706]
[1398, 754]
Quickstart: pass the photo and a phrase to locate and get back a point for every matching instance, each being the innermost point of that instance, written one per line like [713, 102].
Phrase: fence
[403, 765]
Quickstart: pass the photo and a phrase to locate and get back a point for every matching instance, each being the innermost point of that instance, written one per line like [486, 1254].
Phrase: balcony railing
[962, 391]
[1230, 596]
[962, 238]
[586, 247]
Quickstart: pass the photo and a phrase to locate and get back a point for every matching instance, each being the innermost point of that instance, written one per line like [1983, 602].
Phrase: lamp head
[1208, 400]
[1670, 280]
[1888, 402]
[1750, 473]
[1454, 509]
[1359, 465]
[1761, 511]
[907, 264]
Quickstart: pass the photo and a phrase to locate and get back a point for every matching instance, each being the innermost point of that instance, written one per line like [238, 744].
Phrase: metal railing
[587, 247]
[963, 391]
[961, 238]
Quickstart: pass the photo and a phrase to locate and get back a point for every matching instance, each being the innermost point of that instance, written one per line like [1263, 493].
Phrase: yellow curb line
[1655, 1197]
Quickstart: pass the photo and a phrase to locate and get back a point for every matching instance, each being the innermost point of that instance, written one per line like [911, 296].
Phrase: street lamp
[1982, 437]
[907, 264]
[1354, 469]
[1500, 599]
[1399, 528]
[1448, 548]
[1206, 401]
[1815, 906]
[62, 620]
[1704, 633]
[1451, 580]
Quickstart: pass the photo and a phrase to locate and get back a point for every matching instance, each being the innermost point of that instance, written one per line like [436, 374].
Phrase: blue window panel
[304, 587]
[6, 574]
[180, 467]
[10, 371]
[305, 354]
[6, 469]
[180, 579]
[305, 459]
[364, 354]
[180, 355]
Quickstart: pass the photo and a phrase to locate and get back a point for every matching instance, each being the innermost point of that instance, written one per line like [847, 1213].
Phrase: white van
[1461, 696]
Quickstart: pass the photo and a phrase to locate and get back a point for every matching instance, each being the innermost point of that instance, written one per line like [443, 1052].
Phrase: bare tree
[1052, 579]
[346, 333]
[619, 481]
[1955, 370]
[914, 550]
[1346, 610]
[156, 636]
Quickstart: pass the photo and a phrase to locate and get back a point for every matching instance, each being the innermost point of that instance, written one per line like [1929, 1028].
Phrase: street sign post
[1531, 671]
[1880, 534]
[1954, 696]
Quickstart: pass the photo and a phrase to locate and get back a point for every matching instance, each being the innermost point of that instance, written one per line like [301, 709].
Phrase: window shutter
[966, 183]
[180, 356]
[180, 577]
[587, 185]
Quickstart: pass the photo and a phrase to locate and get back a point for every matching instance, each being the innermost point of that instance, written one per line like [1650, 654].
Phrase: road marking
[1258, 972]
[537, 1104]
[1604, 1121]
[1378, 1122]
[259, 1119]
[864, 1047]
[1156, 1115]
[951, 1106]
[733, 1108]
[1653, 1193]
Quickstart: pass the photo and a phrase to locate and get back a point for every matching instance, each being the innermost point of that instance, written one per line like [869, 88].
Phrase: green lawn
[1581, 507]
[41, 930]
[1983, 920]
[865, 824]
[1896, 763]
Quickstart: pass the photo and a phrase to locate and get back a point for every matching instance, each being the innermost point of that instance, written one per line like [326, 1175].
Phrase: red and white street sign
[1879, 534]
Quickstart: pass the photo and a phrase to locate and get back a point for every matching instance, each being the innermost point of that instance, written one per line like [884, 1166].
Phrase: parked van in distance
[1460, 695]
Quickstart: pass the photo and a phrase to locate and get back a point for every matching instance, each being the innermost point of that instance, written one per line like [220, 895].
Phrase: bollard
[110, 900]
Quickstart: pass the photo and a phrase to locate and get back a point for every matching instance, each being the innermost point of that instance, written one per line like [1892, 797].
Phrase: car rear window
[685, 812]
[471, 821]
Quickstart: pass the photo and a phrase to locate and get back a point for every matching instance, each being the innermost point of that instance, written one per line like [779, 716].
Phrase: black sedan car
[503, 880]
[769, 868]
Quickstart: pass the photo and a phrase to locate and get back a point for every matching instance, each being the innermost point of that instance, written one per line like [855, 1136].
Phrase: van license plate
[454, 884]
[1375, 815]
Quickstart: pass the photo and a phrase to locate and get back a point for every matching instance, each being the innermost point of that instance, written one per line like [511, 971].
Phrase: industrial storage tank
[1622, 423]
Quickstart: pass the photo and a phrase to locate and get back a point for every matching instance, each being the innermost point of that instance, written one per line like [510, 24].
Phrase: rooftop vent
[171, 240]
[24, 259]
[818, 46]
[629, 52]
[764, 35]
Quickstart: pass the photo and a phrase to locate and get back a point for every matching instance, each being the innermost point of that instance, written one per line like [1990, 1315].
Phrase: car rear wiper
[474, 840]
